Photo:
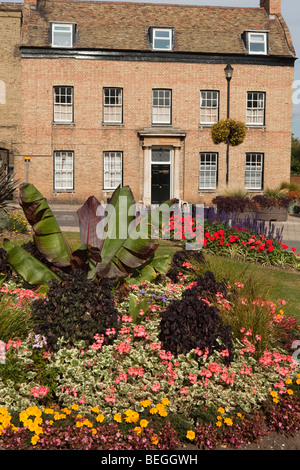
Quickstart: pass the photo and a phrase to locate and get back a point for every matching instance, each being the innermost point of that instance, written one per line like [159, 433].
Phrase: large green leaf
[31, 269]
[121, 255]
[148, 272]
[47, 235]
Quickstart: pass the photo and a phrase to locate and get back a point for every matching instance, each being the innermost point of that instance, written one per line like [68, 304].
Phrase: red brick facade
[89, 68]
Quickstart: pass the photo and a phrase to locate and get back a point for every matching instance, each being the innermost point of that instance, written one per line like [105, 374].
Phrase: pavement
[291, 232]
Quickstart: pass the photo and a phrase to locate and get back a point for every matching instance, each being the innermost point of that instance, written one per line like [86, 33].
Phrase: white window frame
[251, 40]
[254, 171]
[63, 112]
[208, 111]
[168, 38]
[69, 30]
[113, 109]
[161, 113]
[208, 171]
[63, 173]
[112, 176]
[255, 116]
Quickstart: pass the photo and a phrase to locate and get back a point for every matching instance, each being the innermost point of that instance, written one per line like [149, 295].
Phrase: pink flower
[39, 391]
[192, 378]
[139, 331]
[156, 387]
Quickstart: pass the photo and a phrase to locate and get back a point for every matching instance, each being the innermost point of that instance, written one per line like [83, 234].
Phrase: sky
[291, 13]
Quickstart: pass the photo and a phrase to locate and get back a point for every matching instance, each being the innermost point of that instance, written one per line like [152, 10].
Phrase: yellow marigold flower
[289, 391]
[154, 440]
[162, 413]
[48, 411]
[131, 416]
[298, 381]
[160, 406]
[34, 440]
[219, 424]
[228, 421]
[118, 418]
[138, 430]
[94, 431]
[221, 410]
[100, 418]
[165, 401]
[95, 409]
[66, 410]
[275, 400]
[38, 430]
[273, 394]
[144, 423]
[79, 424]
[145, 403]
[219, 418]
[153, 411]
[190, 435]
[288, 381]
[239, 415]
[87, 423]
[75, 407]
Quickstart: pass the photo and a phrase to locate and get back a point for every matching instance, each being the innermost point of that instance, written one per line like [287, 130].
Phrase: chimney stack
[31, 3]
[272, 7]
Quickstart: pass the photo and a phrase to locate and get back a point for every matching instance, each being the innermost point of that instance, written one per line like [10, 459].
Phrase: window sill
[61, 124]
[262, 127]
[206, 126]
[113, 124]
[55, 191]
[162, 124]
[206, 191]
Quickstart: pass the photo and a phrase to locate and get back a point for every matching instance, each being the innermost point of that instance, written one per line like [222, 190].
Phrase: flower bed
[239, 239]
[132, 393]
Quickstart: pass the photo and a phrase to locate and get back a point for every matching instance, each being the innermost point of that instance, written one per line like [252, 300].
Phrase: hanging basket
[229, 130]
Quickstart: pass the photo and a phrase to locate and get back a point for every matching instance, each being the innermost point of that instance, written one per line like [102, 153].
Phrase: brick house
[126, 93]
[10, 83]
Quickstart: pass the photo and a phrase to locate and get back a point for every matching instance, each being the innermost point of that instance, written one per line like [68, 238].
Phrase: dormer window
[162, 39]
[257, 42]
[62, 34]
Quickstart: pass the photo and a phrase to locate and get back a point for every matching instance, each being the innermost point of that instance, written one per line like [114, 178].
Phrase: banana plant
[115, 243]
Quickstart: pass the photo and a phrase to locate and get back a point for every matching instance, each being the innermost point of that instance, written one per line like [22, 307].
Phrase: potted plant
[228, 130]
[235, 203]
[271, 208]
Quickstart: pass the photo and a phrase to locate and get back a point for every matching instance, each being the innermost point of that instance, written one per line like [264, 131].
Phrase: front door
[160, 183]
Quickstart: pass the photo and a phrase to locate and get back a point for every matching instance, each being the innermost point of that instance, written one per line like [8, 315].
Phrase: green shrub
[16, 222]
[14, 319]
[76, 310]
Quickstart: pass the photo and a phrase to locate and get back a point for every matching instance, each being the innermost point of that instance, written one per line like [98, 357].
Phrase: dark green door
[160, 183]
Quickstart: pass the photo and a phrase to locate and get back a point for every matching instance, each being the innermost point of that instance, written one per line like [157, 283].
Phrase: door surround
[166, 139]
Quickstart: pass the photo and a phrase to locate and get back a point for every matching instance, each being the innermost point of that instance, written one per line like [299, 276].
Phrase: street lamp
[228, 75]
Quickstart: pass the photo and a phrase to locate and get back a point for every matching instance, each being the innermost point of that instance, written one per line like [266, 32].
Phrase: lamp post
[228, 74]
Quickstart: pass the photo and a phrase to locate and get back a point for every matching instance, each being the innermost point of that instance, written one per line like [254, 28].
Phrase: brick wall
[10, 78]
[89, 138]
